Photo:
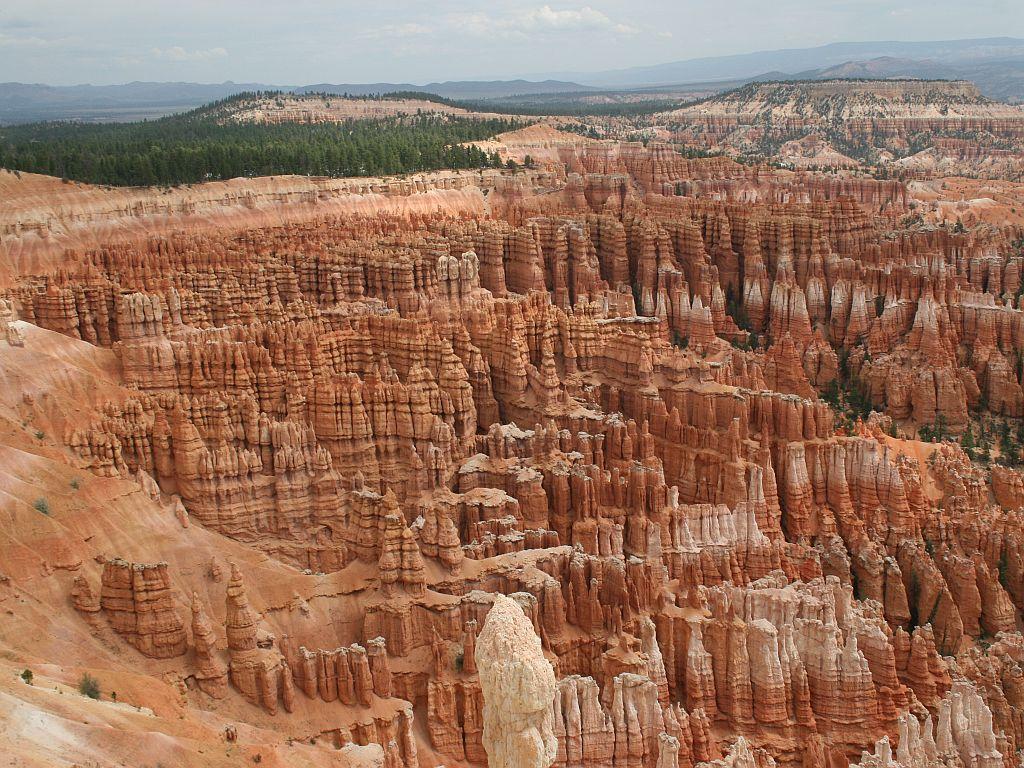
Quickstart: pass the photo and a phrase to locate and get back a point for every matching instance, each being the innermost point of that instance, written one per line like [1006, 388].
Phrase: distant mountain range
[999, 79]
[451, 89]
[795, 60]
[995, 65]
[22, 102]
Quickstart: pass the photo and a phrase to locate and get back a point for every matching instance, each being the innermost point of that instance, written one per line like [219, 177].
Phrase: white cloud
[540, 20]
[518, 26]
[177, 53]
[18, 23]
[13, 41]
[397, 31]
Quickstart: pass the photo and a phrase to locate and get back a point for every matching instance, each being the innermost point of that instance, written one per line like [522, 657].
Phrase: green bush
[735, 309]
[27, 676]
[42, 505]
[89, 686]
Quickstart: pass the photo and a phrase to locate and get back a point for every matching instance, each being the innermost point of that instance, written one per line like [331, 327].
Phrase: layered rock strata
[600, 411]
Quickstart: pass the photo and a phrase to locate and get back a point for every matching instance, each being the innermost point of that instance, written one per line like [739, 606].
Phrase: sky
[418, 41]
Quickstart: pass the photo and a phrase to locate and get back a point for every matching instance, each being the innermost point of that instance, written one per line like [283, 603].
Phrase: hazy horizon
[313, 41]
[536, 76]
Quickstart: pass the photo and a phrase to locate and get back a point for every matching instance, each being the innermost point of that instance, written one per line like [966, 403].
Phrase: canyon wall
[559, 470]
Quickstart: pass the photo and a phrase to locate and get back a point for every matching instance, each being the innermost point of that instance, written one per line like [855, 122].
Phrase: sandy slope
[50, 723]
[541, 141]
[335, 109]
[971, 201]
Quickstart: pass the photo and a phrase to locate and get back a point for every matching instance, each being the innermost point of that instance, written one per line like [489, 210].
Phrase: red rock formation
[961, 736]
[254, 671]
[137, 601]
[83, 598]
[211, 673]
[600, 399]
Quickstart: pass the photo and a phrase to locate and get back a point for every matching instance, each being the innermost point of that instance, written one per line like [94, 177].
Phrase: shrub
[637, 296]
[42, 505]
[40, 434]
[89, 686]
[968, 444]
[735, 309]
[26, 675]
[1004, 571]
[75, 483]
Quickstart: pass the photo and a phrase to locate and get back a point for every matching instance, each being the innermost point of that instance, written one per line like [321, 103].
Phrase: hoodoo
[518, 686]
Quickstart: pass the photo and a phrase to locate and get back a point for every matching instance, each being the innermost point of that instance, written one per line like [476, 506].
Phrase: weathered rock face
[884, 115]
[961, 736]
[211, 673]
[138, 602]
[602, 413]
[518, 686]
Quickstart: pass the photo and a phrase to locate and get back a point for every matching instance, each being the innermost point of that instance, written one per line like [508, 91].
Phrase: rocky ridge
[907, 128]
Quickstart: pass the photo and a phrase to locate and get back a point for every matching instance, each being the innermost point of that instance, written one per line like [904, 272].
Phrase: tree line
[196, 146]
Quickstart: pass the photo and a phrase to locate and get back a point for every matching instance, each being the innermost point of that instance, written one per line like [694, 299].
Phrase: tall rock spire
[518, 687]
